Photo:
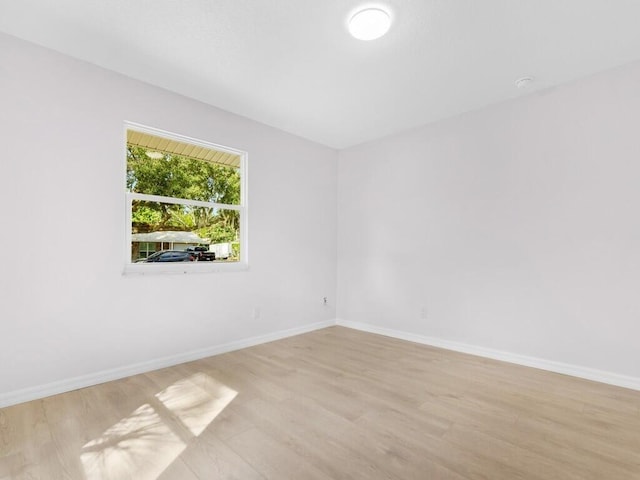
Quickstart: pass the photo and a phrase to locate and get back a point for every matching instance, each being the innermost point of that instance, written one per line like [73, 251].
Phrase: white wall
[66, 310]
[517, 227]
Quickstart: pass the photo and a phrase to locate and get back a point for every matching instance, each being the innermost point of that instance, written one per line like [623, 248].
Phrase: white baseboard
[549, 365]
[67, 385]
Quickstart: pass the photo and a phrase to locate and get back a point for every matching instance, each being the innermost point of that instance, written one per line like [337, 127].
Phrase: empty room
[320, 240]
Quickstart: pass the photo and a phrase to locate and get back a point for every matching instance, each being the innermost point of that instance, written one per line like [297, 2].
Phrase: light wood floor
[332, 404]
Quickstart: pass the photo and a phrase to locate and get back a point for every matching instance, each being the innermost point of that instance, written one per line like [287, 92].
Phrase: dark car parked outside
[170, 256]
[202, 254]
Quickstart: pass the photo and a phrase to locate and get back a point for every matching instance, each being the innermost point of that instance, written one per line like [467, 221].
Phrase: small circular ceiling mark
[369, 24]
[523, 82]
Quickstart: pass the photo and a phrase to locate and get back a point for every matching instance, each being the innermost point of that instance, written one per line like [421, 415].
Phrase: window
[145, 249]
[183, 195]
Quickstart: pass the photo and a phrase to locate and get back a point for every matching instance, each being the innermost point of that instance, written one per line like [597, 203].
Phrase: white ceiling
[292, 64]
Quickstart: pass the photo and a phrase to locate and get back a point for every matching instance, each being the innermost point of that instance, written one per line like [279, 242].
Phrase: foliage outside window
[183, 195]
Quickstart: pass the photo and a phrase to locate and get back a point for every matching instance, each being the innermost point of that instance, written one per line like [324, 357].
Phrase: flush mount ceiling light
[369, 24]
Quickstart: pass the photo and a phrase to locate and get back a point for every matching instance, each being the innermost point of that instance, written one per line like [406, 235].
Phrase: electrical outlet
[423, 312]
[324, 301]
[256, 313]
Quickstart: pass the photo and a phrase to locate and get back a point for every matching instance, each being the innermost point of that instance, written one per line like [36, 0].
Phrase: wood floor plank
[273, 457]
[321, 446]
[332, 404]
[178, 470]
[210, 457]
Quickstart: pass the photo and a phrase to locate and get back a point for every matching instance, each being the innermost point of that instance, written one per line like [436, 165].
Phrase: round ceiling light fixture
[369, 24]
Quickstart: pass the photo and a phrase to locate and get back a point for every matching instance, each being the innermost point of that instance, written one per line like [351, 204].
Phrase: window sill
[183, 268]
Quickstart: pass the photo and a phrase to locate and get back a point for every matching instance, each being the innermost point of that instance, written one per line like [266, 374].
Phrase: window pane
[211, 234]
[156, 172]
[146, 248]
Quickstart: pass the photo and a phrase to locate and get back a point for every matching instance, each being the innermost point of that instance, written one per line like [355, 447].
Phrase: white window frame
[186, 267]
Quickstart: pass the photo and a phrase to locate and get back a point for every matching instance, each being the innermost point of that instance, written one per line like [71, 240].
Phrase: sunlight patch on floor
[196, 400]
[142, 445]
[139, 446]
